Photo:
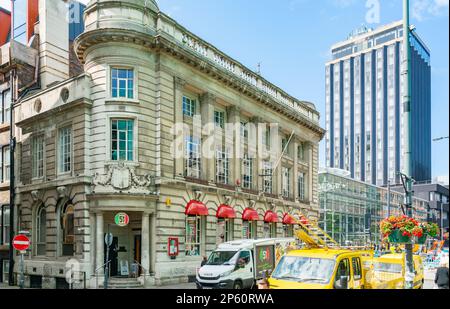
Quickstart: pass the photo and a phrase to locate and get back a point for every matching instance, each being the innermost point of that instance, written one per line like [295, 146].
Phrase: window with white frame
[301, 187]
[266, 137]
[193, 157]
[222, 166]
[267, 177]
[189, 107]
[288, 230]
[270, 230]
[41, 231]
[4, 225]
[219, 119]
[5, 164]
[247, 172]
[38, 156]
[122, 140]
[65, 150]
[193, 235]
[249, 229]
[122, 83]
[244, 130]
[225, 228]
[286, 184]
[301, 152]
[5, 108]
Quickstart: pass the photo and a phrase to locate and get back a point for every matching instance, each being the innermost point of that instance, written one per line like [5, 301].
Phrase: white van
[239, 264]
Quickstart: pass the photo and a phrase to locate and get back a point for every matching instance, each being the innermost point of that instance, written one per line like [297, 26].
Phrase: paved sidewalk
[429, 279]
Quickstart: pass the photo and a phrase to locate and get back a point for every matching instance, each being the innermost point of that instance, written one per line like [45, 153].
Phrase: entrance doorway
[113, 256]
[125, 252]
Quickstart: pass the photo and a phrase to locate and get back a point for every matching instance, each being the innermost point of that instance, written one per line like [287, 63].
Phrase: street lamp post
[409, 273]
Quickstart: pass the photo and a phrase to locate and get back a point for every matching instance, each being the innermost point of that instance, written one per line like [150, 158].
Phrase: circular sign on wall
[122, 219]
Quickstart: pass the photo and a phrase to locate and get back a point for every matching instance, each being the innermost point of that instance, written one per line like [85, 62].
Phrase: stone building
[134, 134]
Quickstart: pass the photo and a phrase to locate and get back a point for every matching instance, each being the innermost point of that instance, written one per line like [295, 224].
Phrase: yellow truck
[320, 268]
[387, 272]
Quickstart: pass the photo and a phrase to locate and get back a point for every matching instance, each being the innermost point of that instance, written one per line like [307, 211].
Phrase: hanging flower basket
[397, 237]
[400, 230]
[422, 240]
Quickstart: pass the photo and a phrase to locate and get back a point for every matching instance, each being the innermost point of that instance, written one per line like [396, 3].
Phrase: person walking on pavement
[441, 279]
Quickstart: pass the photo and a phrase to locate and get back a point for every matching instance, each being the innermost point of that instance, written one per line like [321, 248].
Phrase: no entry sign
[21, 243]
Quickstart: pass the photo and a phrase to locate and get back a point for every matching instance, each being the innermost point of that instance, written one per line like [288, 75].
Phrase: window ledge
[4, 185]
[4, 127]
[122, 101]
[124, 163]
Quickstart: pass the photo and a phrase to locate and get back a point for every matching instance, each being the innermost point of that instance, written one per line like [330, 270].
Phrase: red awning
[289, 220]
[226, 212]
[270, 217]
[196, 208]
[250, 215]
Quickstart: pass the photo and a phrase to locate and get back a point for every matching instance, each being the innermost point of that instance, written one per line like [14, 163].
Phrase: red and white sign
[21, 243]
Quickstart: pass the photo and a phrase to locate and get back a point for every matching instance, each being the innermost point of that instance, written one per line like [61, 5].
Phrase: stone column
[93, 242]
[100, 240]
[235, 140]
[178, 119]
[153, 243]
[279, 172]
[309, 183]
[295, 171]
[208, 161]
[145, 256]
[254, 145]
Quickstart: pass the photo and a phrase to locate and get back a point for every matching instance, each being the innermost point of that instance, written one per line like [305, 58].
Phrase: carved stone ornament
[227, 199]
[198, 195]
[123, 177]
[251, 203]
[62, 192]
[35, 196]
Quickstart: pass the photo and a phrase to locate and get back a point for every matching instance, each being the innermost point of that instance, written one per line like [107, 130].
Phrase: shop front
[250, 220]
[225, 223]
[270, 224]
[288, 225]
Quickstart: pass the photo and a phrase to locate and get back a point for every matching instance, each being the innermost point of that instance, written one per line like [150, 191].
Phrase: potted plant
[400, 230]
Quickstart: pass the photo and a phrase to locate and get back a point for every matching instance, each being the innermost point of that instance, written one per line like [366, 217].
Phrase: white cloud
[423, 9]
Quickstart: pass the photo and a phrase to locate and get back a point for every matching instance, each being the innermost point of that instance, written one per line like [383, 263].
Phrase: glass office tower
[351, 210]
[364, 106]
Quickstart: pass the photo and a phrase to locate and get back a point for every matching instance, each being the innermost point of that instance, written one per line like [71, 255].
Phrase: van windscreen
[222, 258]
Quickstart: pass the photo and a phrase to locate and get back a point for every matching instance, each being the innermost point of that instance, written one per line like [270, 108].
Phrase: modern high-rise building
[364, 105]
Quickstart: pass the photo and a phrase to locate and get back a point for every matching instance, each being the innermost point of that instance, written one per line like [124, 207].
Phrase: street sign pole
[108, 242]
[22, 271]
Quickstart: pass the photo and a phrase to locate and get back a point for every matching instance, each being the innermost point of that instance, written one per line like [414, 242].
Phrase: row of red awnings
[196, 208]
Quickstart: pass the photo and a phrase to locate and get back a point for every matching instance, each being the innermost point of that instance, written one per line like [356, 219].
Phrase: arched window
[41, 231]
[68, 230]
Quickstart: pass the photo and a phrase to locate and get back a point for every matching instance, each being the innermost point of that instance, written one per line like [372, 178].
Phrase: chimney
[54, 41]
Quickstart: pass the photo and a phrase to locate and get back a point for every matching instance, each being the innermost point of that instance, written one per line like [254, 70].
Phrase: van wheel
[237, 285]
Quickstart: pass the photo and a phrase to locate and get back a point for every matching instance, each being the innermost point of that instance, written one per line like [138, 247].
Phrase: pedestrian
[205, 260]
[441, 279]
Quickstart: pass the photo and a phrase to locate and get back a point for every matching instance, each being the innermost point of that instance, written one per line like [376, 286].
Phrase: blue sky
[292, 40]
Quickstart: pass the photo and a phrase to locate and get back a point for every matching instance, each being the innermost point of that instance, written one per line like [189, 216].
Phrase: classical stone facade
[108, 140]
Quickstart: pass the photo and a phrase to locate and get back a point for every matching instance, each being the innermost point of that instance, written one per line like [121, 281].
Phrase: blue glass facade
[376, 128]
